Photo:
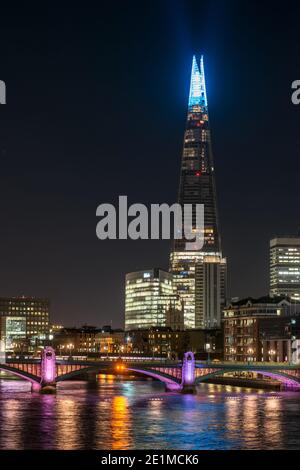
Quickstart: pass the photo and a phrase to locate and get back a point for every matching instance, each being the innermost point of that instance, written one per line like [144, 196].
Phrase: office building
[24, 323]
[148, 296]
[285, 267]
[210, 291]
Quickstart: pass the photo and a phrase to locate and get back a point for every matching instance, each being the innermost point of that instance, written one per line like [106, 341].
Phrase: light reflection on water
[126, 415]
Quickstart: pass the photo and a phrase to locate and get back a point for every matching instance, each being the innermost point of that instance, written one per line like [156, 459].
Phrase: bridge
[181, 376]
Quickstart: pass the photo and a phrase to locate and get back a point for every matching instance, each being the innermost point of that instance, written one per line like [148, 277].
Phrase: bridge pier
[43, 388]
[188, 373]
[48, 371]
[48, 388]
[189, 389]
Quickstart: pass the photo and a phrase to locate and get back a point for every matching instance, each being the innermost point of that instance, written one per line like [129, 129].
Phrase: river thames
[140, 415]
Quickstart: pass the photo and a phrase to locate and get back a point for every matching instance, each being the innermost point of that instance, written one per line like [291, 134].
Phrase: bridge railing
[218, 364]
[144, 359]
[163, 361]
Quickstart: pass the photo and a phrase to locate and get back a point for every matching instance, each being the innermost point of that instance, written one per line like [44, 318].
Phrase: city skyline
[150, 233]
[65, 162]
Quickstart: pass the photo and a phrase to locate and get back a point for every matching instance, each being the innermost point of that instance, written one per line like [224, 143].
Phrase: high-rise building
[197, 186]
[210, 291]
[24, 322]
[148, 297]
[285, 267]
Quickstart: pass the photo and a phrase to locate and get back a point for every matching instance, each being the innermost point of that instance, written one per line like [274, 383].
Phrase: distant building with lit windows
[148, 296]
[285, 267]
[112, 342]
[263, 329]
[24, 323]
[69, 341]
[165, 342]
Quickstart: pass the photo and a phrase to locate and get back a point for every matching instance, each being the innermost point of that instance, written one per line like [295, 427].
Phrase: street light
[272, 352]
[70, 346]
[105, 347]
[250, 351]
[128, 342]
[208, 350]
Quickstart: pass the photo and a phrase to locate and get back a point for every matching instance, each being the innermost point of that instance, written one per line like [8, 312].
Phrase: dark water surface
[140, 415]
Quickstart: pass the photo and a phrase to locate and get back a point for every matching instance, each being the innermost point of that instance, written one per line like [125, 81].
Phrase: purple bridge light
[188, 371]
[48, 366]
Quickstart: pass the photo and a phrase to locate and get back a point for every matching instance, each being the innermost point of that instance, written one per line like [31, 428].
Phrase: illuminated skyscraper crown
[197, 87]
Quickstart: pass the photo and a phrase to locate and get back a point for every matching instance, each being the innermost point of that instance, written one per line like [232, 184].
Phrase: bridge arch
[172, 383]
[286, 379]
[33, 379]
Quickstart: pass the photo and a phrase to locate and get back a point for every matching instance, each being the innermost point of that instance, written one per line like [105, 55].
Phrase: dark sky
[96, 108]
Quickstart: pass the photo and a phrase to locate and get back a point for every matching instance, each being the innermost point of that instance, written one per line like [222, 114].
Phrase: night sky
[96, 108]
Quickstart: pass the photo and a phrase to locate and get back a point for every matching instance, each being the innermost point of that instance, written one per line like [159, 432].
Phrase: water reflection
[67, 413]
[124, 415]
[272, 414]
[11, 414]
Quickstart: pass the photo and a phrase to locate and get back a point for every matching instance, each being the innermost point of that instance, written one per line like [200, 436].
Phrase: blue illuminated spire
[197, 87]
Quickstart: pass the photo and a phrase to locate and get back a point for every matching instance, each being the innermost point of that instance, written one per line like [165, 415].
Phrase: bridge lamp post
[106, 349]
[127, 341]
[272, 352]
[208, 350]
[154, 350]
[70, 346]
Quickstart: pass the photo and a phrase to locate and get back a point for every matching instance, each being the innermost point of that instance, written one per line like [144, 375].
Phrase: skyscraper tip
[197, 87]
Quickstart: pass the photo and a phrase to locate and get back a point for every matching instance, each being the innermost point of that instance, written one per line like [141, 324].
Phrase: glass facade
[183, 265]
[13, 331]
[148, 296]
[285, 267]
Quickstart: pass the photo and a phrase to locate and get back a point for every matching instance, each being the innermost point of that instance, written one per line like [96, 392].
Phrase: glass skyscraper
[148, 297]
[197, 186]
[285, 267]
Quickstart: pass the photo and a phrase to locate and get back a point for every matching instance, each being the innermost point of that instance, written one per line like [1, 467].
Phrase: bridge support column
[48, 371]
[188, 373]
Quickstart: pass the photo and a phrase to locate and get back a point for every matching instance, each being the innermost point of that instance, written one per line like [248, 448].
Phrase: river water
[140, 415]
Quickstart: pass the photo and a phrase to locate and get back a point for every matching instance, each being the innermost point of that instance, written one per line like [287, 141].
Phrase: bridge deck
[162, 363]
